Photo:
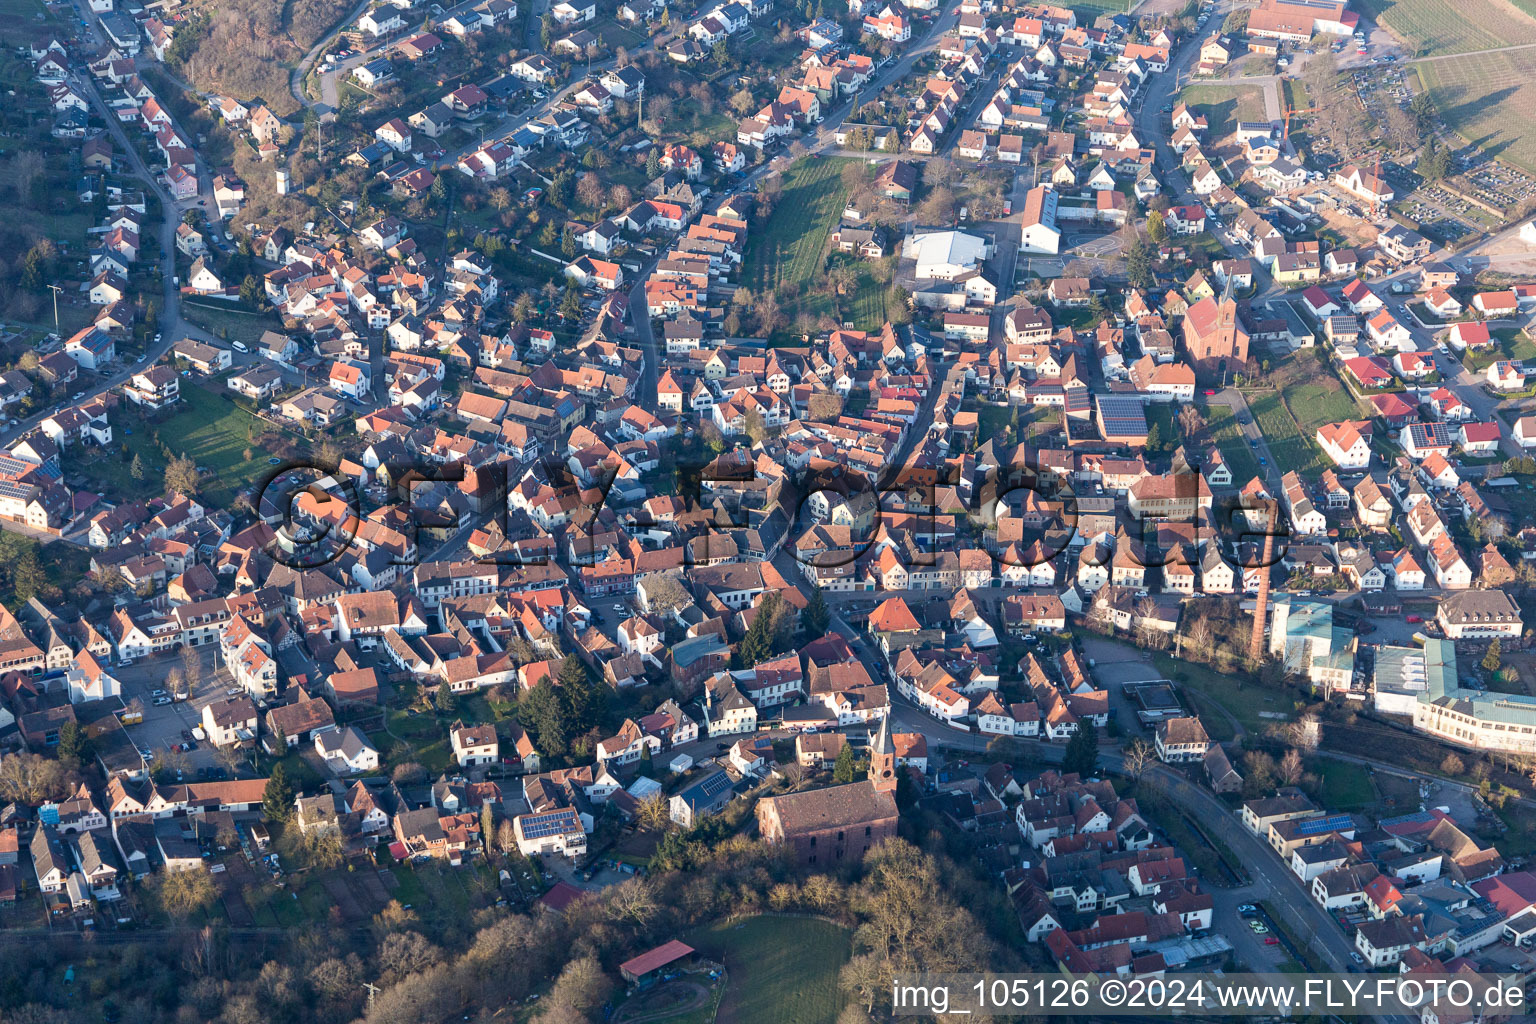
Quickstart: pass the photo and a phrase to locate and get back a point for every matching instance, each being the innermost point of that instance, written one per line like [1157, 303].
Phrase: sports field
[1455, 26]
[1488, 99]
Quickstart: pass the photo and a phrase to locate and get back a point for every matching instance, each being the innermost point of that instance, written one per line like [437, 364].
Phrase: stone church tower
[882, 759]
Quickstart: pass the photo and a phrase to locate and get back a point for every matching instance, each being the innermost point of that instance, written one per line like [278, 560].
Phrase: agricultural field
[1225, 105]
[1489, 100]
[1286, 444]
[789, 253]
[1451, 26]
[782, 970]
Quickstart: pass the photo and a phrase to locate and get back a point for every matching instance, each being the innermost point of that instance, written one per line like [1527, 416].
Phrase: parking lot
[163, 724]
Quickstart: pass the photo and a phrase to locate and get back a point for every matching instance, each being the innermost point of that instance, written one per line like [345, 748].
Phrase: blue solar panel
[552, 824]
[1121, 416]
[1417, 817]
[1332, 823]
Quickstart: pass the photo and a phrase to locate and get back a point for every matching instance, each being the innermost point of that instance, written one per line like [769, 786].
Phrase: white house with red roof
[1442, 303]
[1369, 371]
[1447, 405]
[1496, 304]
[1347, 444]
[1504, 375]
[395, 134]
[1479, 437]
[1185, 220]
[1320, 302]
[1413, 365]
[1471, 334]
[1385, 332]
[593, 273]
[349, 378]
[1361, 299]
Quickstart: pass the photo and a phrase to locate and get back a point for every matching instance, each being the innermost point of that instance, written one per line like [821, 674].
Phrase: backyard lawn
[782, 970]
[1313, 395]
[1238, 692]
[1509, 343]
[1346, 786]
[231, 324]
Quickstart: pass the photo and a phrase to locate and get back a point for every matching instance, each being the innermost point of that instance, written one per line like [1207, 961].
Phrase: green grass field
[1314, 395]
[1454, 26]
[1346, 786]
[1487, 99]
[783, 970]
[209, 429]
[789, 252]
[1508, 344]
[1286, 444]
[1225, 105]
[1223, 427]
[1248, 703]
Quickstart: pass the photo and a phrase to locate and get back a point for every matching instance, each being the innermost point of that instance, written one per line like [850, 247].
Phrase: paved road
[171, 325]
[328, 102]
[645, 335]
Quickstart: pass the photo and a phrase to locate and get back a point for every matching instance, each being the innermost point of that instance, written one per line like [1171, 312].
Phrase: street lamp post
[56, 290]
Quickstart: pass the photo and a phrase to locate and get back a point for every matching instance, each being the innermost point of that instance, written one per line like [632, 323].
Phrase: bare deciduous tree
[1139, 755]
[1291, 769]
[1306, 732]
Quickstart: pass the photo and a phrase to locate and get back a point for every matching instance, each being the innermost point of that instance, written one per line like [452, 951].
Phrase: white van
[239, 346]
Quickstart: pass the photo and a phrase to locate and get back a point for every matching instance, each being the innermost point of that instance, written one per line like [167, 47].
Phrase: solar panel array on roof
[1416, 818]
[1122, 416]
[1430, 433]
[1318, 826]
[539, 826]
[715, 784]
